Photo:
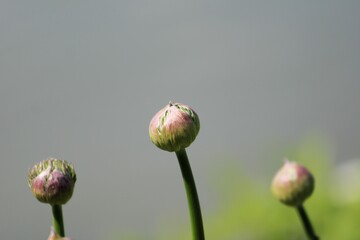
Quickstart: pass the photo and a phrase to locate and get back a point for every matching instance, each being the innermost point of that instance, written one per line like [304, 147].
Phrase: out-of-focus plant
[292, 185]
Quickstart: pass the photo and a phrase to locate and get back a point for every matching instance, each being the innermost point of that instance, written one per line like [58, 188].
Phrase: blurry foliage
[247, 210]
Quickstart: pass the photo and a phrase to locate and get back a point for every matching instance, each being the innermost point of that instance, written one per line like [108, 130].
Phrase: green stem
[192, 197]
[306, 223]
[58, 220]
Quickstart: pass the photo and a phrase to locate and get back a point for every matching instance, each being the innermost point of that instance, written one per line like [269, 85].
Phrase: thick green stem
[306, 223]
[192, 197]
[58, 223]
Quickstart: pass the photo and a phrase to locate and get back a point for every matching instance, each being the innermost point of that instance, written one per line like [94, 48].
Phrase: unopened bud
[174, 127]
[54, 236]
[52, 181]
[292, 184]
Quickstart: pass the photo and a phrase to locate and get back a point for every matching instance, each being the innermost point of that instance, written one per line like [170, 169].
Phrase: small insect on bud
[52, 181]
[292, 184]
[174, 127]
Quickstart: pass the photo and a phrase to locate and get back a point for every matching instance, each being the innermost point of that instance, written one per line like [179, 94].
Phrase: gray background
[80, 80]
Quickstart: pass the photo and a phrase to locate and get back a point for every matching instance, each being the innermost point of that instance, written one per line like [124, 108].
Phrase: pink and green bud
[293, 184]
[52, 181]
[174, 127]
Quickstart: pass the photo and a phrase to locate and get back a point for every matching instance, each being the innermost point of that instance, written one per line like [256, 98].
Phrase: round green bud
[52, 181]
[292, 184]
[174, 127]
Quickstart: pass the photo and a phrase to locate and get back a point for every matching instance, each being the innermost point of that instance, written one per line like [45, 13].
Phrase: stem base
[192, 196]
[306, 223]
[58, 222]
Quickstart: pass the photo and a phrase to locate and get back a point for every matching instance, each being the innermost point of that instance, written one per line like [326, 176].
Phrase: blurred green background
[245, 208]
[80, 80]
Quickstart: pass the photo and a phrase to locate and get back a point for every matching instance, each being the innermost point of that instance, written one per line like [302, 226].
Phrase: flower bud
[52, 181]
[174, 127]
[292, 184]
[54, 236]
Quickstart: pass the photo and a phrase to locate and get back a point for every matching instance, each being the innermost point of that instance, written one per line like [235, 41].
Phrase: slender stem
[306, 223]
[58, 220]
[192, 196]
